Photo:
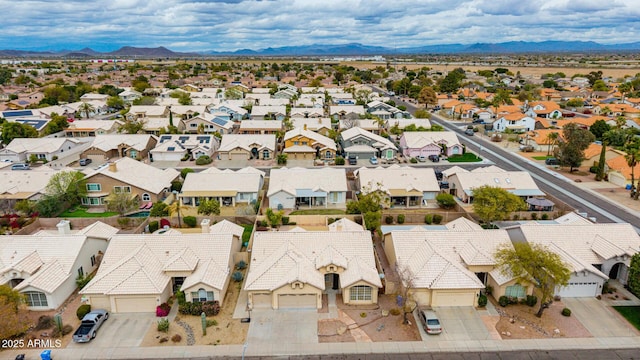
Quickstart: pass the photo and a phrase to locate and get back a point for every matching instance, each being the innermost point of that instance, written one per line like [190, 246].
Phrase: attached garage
[96, 158]
[579, 289]
[261, 301]
[297, 301]
[454, 298]
[135, 304]
[238, 156]
[100, 302]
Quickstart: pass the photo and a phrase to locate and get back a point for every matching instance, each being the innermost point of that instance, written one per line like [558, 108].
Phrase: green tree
[274, 217]
[502, 97]
[67, 186]
[550, 84]
[427, 97]
[12, 130]
[5, 75]
[570, 152]
[575, 103]
[209, 207]
[633, 279]
[446, 201]
[115, 102]
[48, 206]
[14, 322]
[26, 207]
[141, 83]
[598, 128]
[132, 126]
[534, 264]
[422, 114]
[184, 172]
[494, 203]
[56, 124]
[369, 204]
[159, 209]
[552, 139]
[121, 202]
[600, 85]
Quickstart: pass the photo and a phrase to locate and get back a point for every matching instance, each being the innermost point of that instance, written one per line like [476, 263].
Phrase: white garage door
[237, 156]
[304, 301]
[261, 301]
[579, 289]
[99, 159]
[138, 304]
[100, 302]
[453, 298]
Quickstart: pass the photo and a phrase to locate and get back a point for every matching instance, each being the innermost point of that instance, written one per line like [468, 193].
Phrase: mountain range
[351, 49]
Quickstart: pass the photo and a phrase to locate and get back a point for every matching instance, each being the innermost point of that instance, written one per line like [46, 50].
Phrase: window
[95, 201]
[296, 143]
[265, 154]
[119, 189]
[80, 272]
[94, 187]
[193, 125]
[328, 155]
[93, 260]
[133, 154]
[516, 291]
[360, 292]
[201, 295]
[334, 197]
[146, 197]
[84, 201]
[36, 298]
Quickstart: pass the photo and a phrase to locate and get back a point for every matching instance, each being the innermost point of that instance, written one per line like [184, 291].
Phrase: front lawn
[631, 313]
[541, 157]
[318, 212]
[81, 212]
[466, 157]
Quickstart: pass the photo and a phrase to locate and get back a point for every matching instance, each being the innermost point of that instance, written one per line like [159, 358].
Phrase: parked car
[430, 322]
[422, 158]
[90, 325]
[434, 158]
[20, 167]
[353, 160]
[373, 160]
[7, 160]
[477, 121]
[84, 162]
[527, 148]
[439, 175]
[552, 161]
[444, 184]
[469, 132]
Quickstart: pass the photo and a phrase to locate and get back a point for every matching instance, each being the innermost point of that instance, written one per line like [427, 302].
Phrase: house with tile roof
[259, 112]
[147, 111]
[619, 172]
[402, 186]
[593, 252]
[44, 266]
[449, 266]
[22, 149]
[319, 125]
[145, 182]
[24, 185]
[85, 128]
[172, 147]
[260, 126]
[247, 147]
[543, 109]
[306, 112]
[517, 122]
[365, 144]
[138, 273]
[293, 269]
[208, 123]
[425, 143]
[114, 146]
[291, 188]
[304, 144]
[228, 187]
[520, 183]
[342, 112]
[385, 111]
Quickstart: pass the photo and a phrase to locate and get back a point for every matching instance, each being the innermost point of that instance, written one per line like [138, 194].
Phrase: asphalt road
[547, 180]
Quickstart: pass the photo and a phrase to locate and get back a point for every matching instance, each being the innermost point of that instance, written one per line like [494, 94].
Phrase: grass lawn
[318, 212]
[466, 157]
[82, 213]
[631, 313]
[541, 157]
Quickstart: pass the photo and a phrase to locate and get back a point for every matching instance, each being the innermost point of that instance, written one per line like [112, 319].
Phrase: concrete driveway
[279, 328]
[601, 320]
[121, 330]
[458, 323]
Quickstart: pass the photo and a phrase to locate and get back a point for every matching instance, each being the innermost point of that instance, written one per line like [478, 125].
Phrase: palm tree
[632, 157]
[175, 208]
[552, 137]
[87, 109]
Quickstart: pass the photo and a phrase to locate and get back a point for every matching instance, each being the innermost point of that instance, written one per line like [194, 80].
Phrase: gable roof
[227, 182]
[517, 182]
[291, 179]
[138, 174]
[354, 132]
[318, 139]
[245, 141]
[109, 142]
[398, 180]
[40, 145]
[420, 139]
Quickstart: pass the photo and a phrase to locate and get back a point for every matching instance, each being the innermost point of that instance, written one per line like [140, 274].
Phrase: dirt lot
[526, 325]
[227, 331]
[369, 319]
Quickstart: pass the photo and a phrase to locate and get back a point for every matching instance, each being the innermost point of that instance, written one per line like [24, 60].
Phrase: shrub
[489, 289]
[44, 322]
[153, 226]
[163, 325]
[388, 219]
[400, 219]
[180, 297]
[176, 338]
[263, 223]
[67, 329]
[285, 220]
[437, 218]
[482, 300]
[83, 280]
[363, 314]
[516, 217]
[534, 216]
[190, 308]
[83, 310]
[394, 311]
[340, 160]
[204, 160]
[446, 201]
[162, 310]
[237, 276]
[330, 221]
[531, 300]
[211, 308]
[241, 265]
[503, 301]
[163, 340]
[414, 160]
[566, 312]
[545, 216]
[212, 322]
[428, 219]
[159, 209]
[191, 221]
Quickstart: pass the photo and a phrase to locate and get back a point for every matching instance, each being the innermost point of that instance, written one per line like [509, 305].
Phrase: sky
[227, 25]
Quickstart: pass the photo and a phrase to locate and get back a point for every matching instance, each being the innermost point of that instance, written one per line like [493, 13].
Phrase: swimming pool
[139, 214]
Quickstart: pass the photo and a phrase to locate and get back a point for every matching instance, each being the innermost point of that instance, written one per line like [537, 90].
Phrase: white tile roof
[397, 177]
[345, 224]
[227, 227]
[106, 125]
[462, 224]
[148, 110]
[438, 259]
[281, 258]
[261, 124]
[138, 174]
[25, 184]
[246, 142]
[420, 139]
[136, 264]
[40, 145]
[201, 182]
[313, 124]
[110, 142]
[323, 179]
[337, 109]
[258, 110]
[452, 171]
[509, 180]
[356, 131]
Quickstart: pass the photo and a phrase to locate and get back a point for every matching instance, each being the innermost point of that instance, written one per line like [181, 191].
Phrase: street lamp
[175, 193]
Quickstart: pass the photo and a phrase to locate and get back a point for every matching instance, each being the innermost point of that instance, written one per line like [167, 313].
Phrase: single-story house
[319, 125]
[306, 112]
[227, 186]
[114, 146]
[341, 112]
[84, 128]
[520, 183]
[138, 273]
[365, 144]
[247, 147]
[207, 122]
[293, 269]
[268, 112]
[401, 185]
[260, 126]
[22, 149]
[23, 185]
[299, 187]
[176, 147]
[425, 143]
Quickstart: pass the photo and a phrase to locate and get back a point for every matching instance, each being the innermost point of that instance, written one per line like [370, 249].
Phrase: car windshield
[433, 322]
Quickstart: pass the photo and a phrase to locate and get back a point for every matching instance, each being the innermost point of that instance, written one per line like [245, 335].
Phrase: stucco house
[228, 187]
[385, 111]
[365, 144]
[114, 146]
[85, 128]
[247, 147]
[516, 122]
[299, 187]
[176, 147]
[293, 269]
[44, 266]
[319, 125]
[260, 126]
[425, 143]
[301, 143]
[520, 183]
[155, 266]
[341, 112]
[22, 149]
[402, 186]
[268, 112]
[209, 123]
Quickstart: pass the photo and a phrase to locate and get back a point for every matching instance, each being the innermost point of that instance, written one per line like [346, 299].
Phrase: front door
[177, 283]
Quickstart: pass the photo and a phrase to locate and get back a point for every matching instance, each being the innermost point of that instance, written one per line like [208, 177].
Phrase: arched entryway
[617, 271]
[254, 153]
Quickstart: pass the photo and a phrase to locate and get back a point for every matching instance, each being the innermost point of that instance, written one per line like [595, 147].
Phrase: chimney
[339, 226]
[113, 167]
[205, 225]
[319, 120]
[305, 126]
[64, 227]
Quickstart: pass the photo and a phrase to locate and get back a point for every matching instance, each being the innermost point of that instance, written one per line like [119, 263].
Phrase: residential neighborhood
[262, 204]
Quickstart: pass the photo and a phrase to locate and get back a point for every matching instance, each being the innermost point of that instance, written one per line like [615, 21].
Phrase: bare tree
[407, 284]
